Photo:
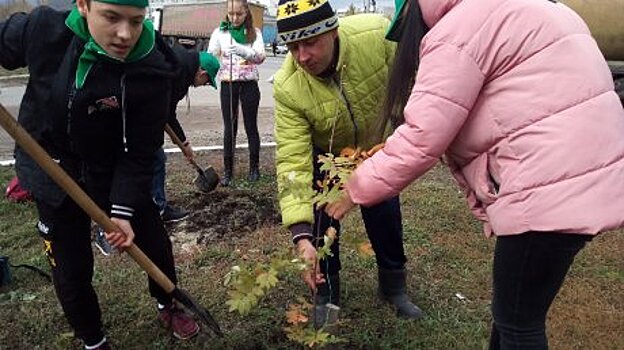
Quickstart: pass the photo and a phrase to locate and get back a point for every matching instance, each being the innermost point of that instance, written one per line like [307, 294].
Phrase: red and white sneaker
[182, 325]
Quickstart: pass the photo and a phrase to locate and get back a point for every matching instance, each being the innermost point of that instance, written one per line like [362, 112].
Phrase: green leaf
[28, 297]
[267, 280]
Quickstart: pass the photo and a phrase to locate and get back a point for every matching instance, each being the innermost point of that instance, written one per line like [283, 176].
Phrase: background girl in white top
[240, 48]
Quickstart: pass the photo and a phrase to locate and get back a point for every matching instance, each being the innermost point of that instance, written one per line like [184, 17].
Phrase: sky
[336, 4]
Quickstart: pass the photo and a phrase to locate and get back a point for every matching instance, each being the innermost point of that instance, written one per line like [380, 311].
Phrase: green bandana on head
[238, 33]
[94, 52]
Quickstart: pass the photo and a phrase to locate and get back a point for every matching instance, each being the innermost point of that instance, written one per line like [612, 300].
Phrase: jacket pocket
[480, 180]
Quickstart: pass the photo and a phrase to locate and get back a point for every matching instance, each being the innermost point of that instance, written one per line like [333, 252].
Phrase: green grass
[447, 255]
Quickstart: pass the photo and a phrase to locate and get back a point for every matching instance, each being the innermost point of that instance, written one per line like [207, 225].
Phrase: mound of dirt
[227, 214]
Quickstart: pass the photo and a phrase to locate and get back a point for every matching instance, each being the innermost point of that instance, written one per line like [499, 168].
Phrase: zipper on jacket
[343, 95]
[123, 111]
[78, 166]
[70, 102]
[71, 94]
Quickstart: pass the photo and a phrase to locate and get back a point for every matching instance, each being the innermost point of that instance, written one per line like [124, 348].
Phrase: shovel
[61, 178]
[206, 180]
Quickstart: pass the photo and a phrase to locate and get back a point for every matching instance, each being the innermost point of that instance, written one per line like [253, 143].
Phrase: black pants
[67, 241]
[529, 270]
[383, 223]
[248, 93]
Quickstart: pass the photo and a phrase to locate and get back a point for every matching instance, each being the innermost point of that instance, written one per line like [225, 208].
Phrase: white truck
[190, 24]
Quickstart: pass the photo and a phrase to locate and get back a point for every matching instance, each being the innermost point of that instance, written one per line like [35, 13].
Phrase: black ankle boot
[228, 164]
[392, 288]
[254, 160]
[254, 174]
[226, 179]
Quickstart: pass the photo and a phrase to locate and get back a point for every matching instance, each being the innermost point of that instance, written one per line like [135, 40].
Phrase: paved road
[202, 122]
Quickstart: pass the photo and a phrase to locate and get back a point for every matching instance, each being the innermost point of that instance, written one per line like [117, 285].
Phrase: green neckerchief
[238, 33]
[93, 52]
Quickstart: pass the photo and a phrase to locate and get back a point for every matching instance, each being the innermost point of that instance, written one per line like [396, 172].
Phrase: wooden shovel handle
[39, 155]
[180, 144]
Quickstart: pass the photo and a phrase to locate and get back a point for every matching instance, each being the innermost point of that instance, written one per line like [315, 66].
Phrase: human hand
[187, 150]
[340, 207]
[243, 51]
[122, 238]
[307, 252]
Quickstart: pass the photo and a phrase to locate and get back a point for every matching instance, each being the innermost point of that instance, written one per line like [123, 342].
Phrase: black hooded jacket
[105, 134]
[189, 64]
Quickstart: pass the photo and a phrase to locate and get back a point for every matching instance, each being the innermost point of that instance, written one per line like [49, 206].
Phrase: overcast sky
[336, 4]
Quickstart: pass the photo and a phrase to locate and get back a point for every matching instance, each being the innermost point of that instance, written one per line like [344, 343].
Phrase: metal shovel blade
[206, 180]
[186, 301]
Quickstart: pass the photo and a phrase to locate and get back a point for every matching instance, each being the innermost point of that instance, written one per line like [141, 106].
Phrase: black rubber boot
[327, 302]
[254, 160]
[254, 172]
[228, 165]
[392, 288]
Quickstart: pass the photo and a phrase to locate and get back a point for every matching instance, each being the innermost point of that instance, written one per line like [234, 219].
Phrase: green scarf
[238, 33]
[93, 52]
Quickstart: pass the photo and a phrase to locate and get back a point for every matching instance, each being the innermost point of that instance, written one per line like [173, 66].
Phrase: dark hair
[248, 23]
[402, 75]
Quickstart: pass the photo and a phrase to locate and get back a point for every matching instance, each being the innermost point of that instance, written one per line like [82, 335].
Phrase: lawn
[449, 265]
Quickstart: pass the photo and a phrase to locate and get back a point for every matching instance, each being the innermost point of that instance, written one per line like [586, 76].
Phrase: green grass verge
[447, 255]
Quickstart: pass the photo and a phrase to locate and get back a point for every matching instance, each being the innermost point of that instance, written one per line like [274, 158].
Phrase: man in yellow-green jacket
[328, 94]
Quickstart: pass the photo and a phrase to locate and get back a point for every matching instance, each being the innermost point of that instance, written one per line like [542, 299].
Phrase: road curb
[11, 77]
[11, 162]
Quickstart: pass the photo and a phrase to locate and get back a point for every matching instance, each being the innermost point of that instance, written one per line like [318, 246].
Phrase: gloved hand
[243, 51]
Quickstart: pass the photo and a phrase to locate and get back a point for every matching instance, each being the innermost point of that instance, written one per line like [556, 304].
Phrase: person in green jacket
[327, 97]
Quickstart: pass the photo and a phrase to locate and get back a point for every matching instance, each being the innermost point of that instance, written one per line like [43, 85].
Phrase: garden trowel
[207, 179]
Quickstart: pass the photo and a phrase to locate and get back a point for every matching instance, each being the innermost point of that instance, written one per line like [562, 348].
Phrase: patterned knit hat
[302, 19]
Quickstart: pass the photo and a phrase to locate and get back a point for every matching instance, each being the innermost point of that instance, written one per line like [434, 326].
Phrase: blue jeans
[528, 272]
[158, 182]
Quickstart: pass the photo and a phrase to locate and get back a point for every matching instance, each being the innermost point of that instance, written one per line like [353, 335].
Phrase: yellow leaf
[366, 249]
[295, 316]
[347, 152]
[331, 232]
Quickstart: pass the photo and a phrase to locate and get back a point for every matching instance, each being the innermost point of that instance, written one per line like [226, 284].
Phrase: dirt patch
[232, 214]
[228, 212]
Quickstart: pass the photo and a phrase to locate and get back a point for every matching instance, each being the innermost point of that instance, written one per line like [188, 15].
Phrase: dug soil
[228, 212]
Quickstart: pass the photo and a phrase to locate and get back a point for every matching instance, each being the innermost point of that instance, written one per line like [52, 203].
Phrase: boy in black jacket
[100, 91]
[198, 69]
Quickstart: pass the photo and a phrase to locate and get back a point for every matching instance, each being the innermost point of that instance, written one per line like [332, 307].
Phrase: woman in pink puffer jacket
[518, 98]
